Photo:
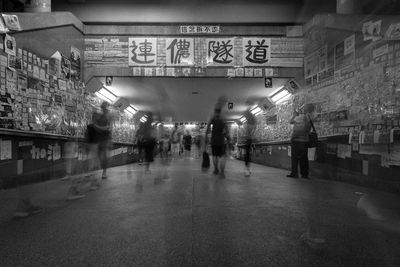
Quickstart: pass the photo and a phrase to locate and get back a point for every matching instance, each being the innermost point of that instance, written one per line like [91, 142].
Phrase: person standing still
[219, 136]
[299, 141]
[103, 125]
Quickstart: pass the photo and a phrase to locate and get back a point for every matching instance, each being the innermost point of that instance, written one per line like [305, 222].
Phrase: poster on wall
[142, 51]
[22, 83]
[372, 30]
[393, 32]
[65, 68]
[10, 45]
[12, 22]
[256, 51]
[350, 44]
[311, 63]
[220, 51]
[14, 63]
[341, 59]
[11, 81]
[5, 149]
[3, 28]
[179, 51]
[75, 58]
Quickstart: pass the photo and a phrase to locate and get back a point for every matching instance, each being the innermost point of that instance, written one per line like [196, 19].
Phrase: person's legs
[303, 154]
[214, 151]
[295, 160]
[247, 156]
[103, 150]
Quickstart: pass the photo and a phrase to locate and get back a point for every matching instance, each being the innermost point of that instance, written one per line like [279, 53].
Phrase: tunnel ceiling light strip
[255, 111]
[131, 110]
[280, 96]
[103, 97]
[106, 95]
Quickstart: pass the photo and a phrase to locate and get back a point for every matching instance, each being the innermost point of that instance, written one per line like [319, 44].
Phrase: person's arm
[207, 132]
[295, 114]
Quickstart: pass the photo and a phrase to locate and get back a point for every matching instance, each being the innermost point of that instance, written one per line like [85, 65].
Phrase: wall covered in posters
[41, 90]
[359, 95]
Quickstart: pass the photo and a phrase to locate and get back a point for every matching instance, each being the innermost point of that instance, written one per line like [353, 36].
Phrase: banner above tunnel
[194, 52]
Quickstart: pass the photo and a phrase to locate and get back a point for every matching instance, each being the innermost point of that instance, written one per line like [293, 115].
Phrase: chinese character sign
[142, 51]
[256, 51]
[179, 51]
[187, 29]
[220, 52]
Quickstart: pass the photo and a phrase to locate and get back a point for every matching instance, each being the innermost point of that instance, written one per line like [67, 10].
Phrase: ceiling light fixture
[106, 95]
[131, 110]
[256, 111]
[281, 95]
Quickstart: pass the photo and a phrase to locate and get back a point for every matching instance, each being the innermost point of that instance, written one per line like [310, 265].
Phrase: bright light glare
[107, 94]
[281, 96]
[277, 90]
[243, 119]
[169, 125]
[255, 110]
[131, 110]
[103, 97]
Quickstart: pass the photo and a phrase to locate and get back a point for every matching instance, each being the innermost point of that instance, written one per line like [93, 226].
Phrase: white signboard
[220, 51]
[142, 52]
[179, 51]
[256, 51]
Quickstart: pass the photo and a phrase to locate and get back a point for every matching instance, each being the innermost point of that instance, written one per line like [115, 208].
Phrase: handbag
[312, 136]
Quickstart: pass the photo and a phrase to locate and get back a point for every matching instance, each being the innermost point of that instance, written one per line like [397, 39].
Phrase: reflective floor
[177, 215]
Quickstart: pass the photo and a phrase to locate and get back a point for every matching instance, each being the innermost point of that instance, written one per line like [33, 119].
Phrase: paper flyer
[258, 73]
[10, 45]
[231, 73]
[14, 63]
[249, 72]
[372, 30]
[3, 28]
[6, 149]
[239, 72]
[12, 22]
[393, 32]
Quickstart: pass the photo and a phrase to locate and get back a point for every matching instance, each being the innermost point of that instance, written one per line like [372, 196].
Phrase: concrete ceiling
[191, 99]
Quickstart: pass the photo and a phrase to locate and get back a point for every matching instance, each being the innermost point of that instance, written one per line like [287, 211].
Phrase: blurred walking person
[102, 122]
[219, 141]
[249, 133]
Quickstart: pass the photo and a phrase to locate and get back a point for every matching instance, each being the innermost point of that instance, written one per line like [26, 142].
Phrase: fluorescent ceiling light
[243, 119]
[281, 96]
[131, 110]
[106, 95]
[277, 90]
[169, 125]
[257, 110]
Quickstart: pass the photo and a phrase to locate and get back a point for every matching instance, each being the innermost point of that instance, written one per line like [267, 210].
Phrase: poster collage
[47, 94]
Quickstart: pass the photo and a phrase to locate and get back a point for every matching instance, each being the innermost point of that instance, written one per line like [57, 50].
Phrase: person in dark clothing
[149, 141]
[249, 132]
[187, 143]
[219, 139]
[299, 141]
[103, 125]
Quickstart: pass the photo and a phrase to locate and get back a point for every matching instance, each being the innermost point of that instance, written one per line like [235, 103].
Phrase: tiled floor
[177, 215]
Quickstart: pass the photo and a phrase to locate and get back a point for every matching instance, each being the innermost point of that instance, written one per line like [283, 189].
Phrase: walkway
[178, 215]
